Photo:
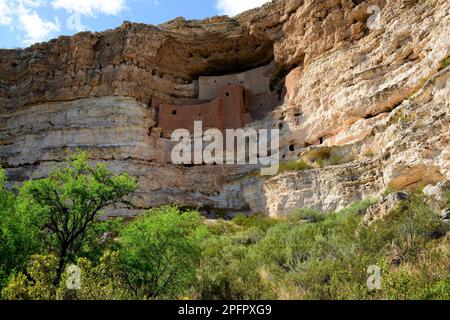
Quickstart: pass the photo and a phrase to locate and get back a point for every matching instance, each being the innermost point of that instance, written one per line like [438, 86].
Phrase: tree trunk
[62, 260]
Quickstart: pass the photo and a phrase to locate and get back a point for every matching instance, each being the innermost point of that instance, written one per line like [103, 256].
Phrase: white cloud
[90, 7]
[234, 7]
[21, 14]
[36, 29]
[5, 13]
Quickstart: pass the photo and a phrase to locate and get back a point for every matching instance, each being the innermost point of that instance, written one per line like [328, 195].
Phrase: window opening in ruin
[280, 94]
[149, 104]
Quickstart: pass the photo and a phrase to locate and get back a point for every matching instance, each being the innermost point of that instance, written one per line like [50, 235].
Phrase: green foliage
[101, 237]
[260, 221]
[400, 117]
[70, 200]
[220, 227]
[58, 215]
[411, 226]
[295, 165]
[160, 251]
[323, 157]
[325, 256]
[444, 63]
[20, 233]
[170, 253]
[306, 215]
[369, 153]
[99, 281]
[37, 284]
[229, 270]
[447, 197]
[426, 278]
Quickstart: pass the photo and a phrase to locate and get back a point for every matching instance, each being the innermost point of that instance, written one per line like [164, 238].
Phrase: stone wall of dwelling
[156, 101]
[233, 111]
[260, 104]
[227, 111]
[173, 116]
[256, 81]
[224, 102]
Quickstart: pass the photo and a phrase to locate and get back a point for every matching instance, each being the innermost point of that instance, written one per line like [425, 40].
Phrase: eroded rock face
[385, 98]
[377, 97]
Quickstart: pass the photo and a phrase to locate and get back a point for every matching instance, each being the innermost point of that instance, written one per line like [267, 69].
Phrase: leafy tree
[6, 202]
[160, 252]
[5, 196]
[70, 200]
[19, 233]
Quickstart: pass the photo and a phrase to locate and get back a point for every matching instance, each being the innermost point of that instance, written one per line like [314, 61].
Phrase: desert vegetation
[47, 226]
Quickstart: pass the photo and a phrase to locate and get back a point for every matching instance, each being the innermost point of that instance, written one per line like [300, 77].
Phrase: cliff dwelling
[224, 102]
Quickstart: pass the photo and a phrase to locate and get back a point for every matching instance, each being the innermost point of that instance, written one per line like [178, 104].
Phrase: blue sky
[24, 22]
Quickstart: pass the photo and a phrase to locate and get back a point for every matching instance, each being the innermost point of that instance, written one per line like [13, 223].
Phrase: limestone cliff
[367, 108]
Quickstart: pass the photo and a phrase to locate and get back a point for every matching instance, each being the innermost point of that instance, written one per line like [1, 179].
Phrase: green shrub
[323, 157]
[411, 225]
[328, 258]
[100, 280]
[37, 284]
[229, 271]
[400, 117]
[160, 251]
[308, 215]
[171, 253]
[294, 165]
[260, 221]
[369, 153]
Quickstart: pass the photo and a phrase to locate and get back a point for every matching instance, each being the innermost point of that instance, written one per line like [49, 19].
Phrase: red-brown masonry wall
[227, 111]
